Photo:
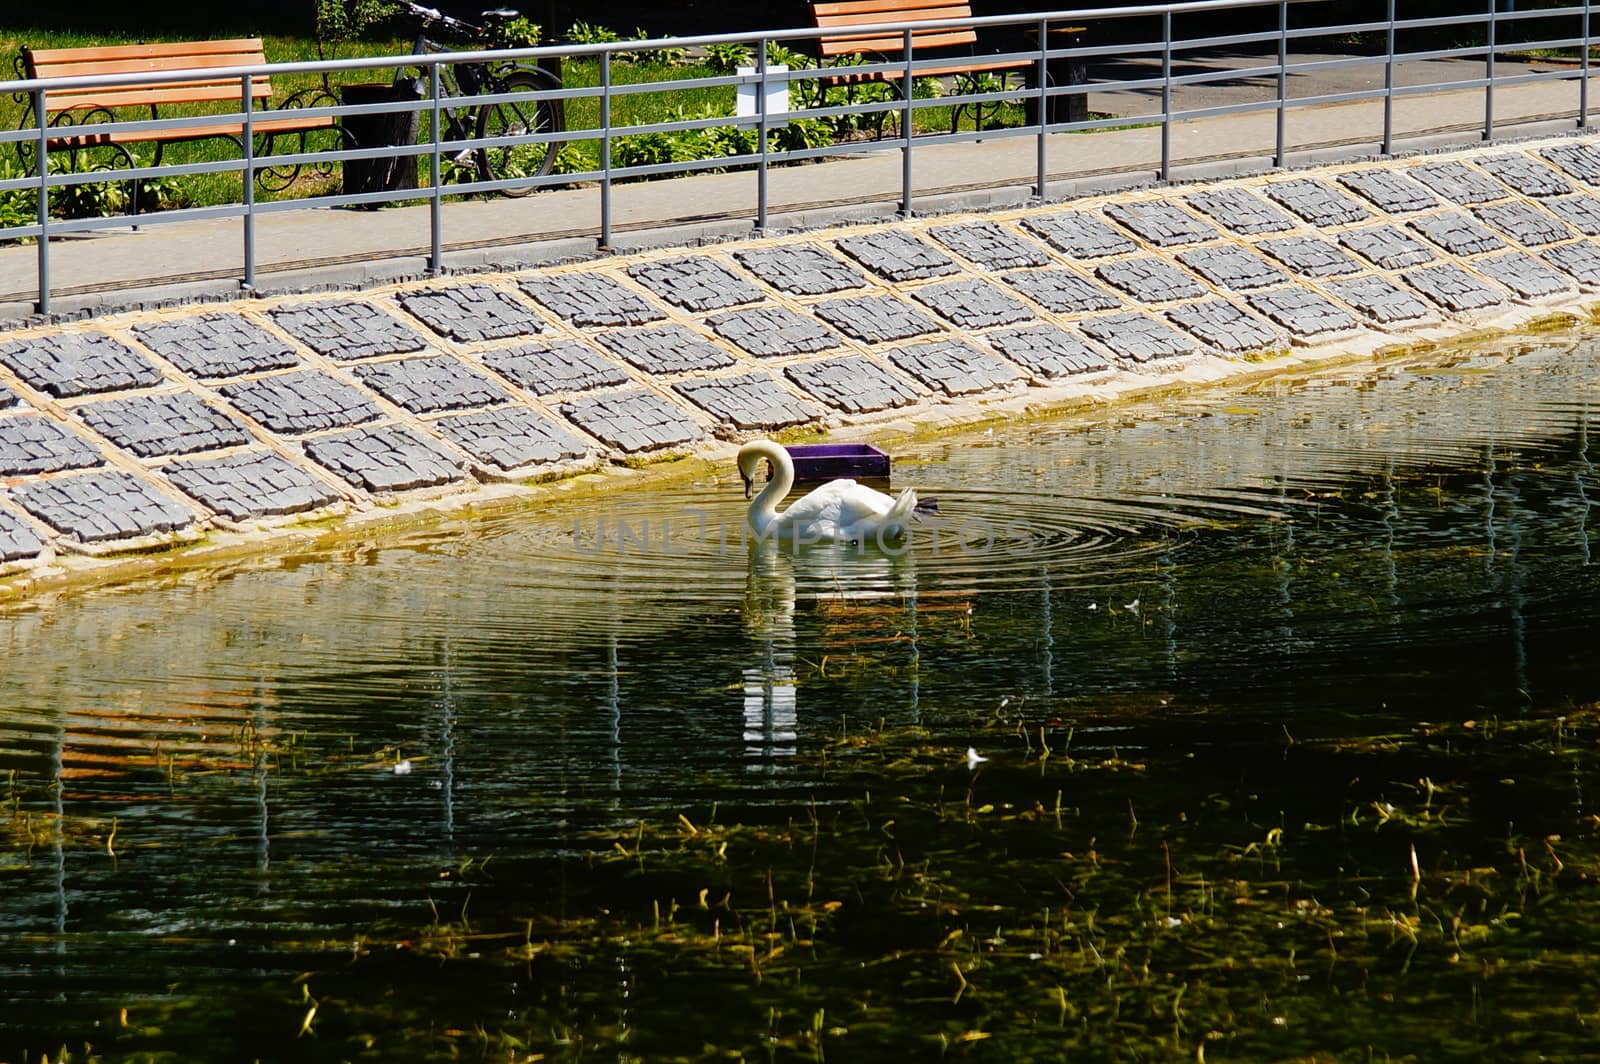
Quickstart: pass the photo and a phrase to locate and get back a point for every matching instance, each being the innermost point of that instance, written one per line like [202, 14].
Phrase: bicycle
[510, 118]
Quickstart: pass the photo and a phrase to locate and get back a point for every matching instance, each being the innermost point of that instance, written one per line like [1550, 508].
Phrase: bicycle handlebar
[430, 15]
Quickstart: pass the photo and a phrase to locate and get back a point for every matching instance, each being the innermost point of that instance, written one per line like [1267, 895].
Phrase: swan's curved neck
[764, 507]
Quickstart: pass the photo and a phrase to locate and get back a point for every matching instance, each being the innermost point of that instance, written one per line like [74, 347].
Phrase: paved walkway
[307, 249]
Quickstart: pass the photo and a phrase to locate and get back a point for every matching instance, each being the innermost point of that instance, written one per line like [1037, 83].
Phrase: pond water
[1281, 710]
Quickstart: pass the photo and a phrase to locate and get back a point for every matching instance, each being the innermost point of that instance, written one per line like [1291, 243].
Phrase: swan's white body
[839, 511]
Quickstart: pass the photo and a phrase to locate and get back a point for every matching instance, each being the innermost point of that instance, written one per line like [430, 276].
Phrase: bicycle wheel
[515, 118]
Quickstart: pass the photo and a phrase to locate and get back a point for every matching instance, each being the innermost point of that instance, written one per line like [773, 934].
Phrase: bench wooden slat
[89, 139]
[145, 96]
[140, 66]
[902, 10]
[170, 49]
[892, 45]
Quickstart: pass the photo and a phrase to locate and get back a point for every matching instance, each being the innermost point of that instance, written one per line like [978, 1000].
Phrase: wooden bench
[72, 113]
[953, 48]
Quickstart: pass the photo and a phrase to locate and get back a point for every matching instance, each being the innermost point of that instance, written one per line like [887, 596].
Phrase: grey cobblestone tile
[32, 443]
[954, 367]
[991, 245]
[212, 346]
[431, 384]
[1302, 311]
[150, 426]
[103, 506]
[666, 349]
[1310, 256]
[773, 331]
[973, 303]
[1380, 299]
[1241, 211]
[471, 312]
[1226, 327]
[633, 421]
[1387, 247]
[1139, 338]
[1524, 275]
[387, 458]
[1390, 191]
[8, 398]
[18, 540]
[1453, 288]
[749, 401]
[875, 319]
[1062, 291]
[801, 269]
[1161, 223]
[1232, 267]
[1524, 223]
[588, 299]
[78, 364]
[1580, 160]
[1525, 174]
[1048, 352]
[695, 283]
[1580, 259]
[1149, 279]
[511, 438]
[307, 401]
[559, 366]
[1457, 232]
[852, 383]
[1079, 234]
[1582, 212]
[1458, 183]
[1317, 203]
[348, 331]
[249, 485]
[897, 256]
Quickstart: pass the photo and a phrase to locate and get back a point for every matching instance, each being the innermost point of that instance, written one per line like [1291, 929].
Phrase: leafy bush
[17, 206]
[571, 159]
[588, 33]
[801, 133]
[645, 149]
[518, 32]
[341, 22]
[726, 58]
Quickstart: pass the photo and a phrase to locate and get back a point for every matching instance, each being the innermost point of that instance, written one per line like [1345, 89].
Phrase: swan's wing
[821, 513]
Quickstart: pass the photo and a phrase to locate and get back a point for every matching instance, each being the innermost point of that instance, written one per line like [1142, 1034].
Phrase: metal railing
[1555, 29]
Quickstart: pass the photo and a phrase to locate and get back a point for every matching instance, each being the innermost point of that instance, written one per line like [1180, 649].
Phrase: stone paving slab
[1387, 247]
[1150, 279]
[1458, 183]
[102, 507]
[802, 270]
[348, 331]
[152, 426]
[1049, 352]
[18, 540]
[1525, 275]
[1062, 291]
[1306, 314]
[1580, 259]
[1454, 288]
[1525, 175]
[1580, 160]
[633, 421]
[590, 299]
[1232, 267]
[1161, 223]
[300, 402]
[749, 401]
[954, 367]
[1310, 256]
[1389, 191]
[431, 384]
[1381, 299]
[511, 438]
[875, 319]
[666, 349]
[214, 346]
[1079, 234]
[390, 458]
[76, 364]
[1524, 223]
[972, 303]
[852, 383]
[1582, 212]
[249, 485]
[32, 443]
[1139, 338]
[1317, 203]
[559, 366]
[697, 284]
[1241, 211]
[772, 331]
[897, 256]
[990, 245]
[8, 398]
[468, 313]
[1457, 232]
[1226, 327]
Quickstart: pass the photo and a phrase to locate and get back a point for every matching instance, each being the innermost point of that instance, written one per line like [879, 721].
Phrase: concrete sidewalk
[328, 248]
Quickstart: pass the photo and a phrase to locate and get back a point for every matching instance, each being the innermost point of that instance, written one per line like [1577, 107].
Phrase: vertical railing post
[605, 150]
[247, 104]
[43, 161]
[1583, 84]
[1388, 89]
[1166, 96]
[436, 205]
[906, 132]
[761, 133]
[1280, 151]
[1044, 103]
[1488, 74]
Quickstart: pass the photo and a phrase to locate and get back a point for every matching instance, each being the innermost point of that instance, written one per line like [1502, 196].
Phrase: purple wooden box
[830, 461]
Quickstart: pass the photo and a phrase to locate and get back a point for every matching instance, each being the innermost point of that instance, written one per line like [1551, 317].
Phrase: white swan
[840, 510]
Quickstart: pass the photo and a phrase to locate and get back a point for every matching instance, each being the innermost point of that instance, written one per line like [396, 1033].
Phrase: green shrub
[644, 149]
[518, 32]
[801, 133]
[726, 58]
[572, 159]
[17, 206]
[588, 33]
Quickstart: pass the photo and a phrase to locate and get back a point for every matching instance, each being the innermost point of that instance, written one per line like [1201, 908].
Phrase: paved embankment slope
[234, 426]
